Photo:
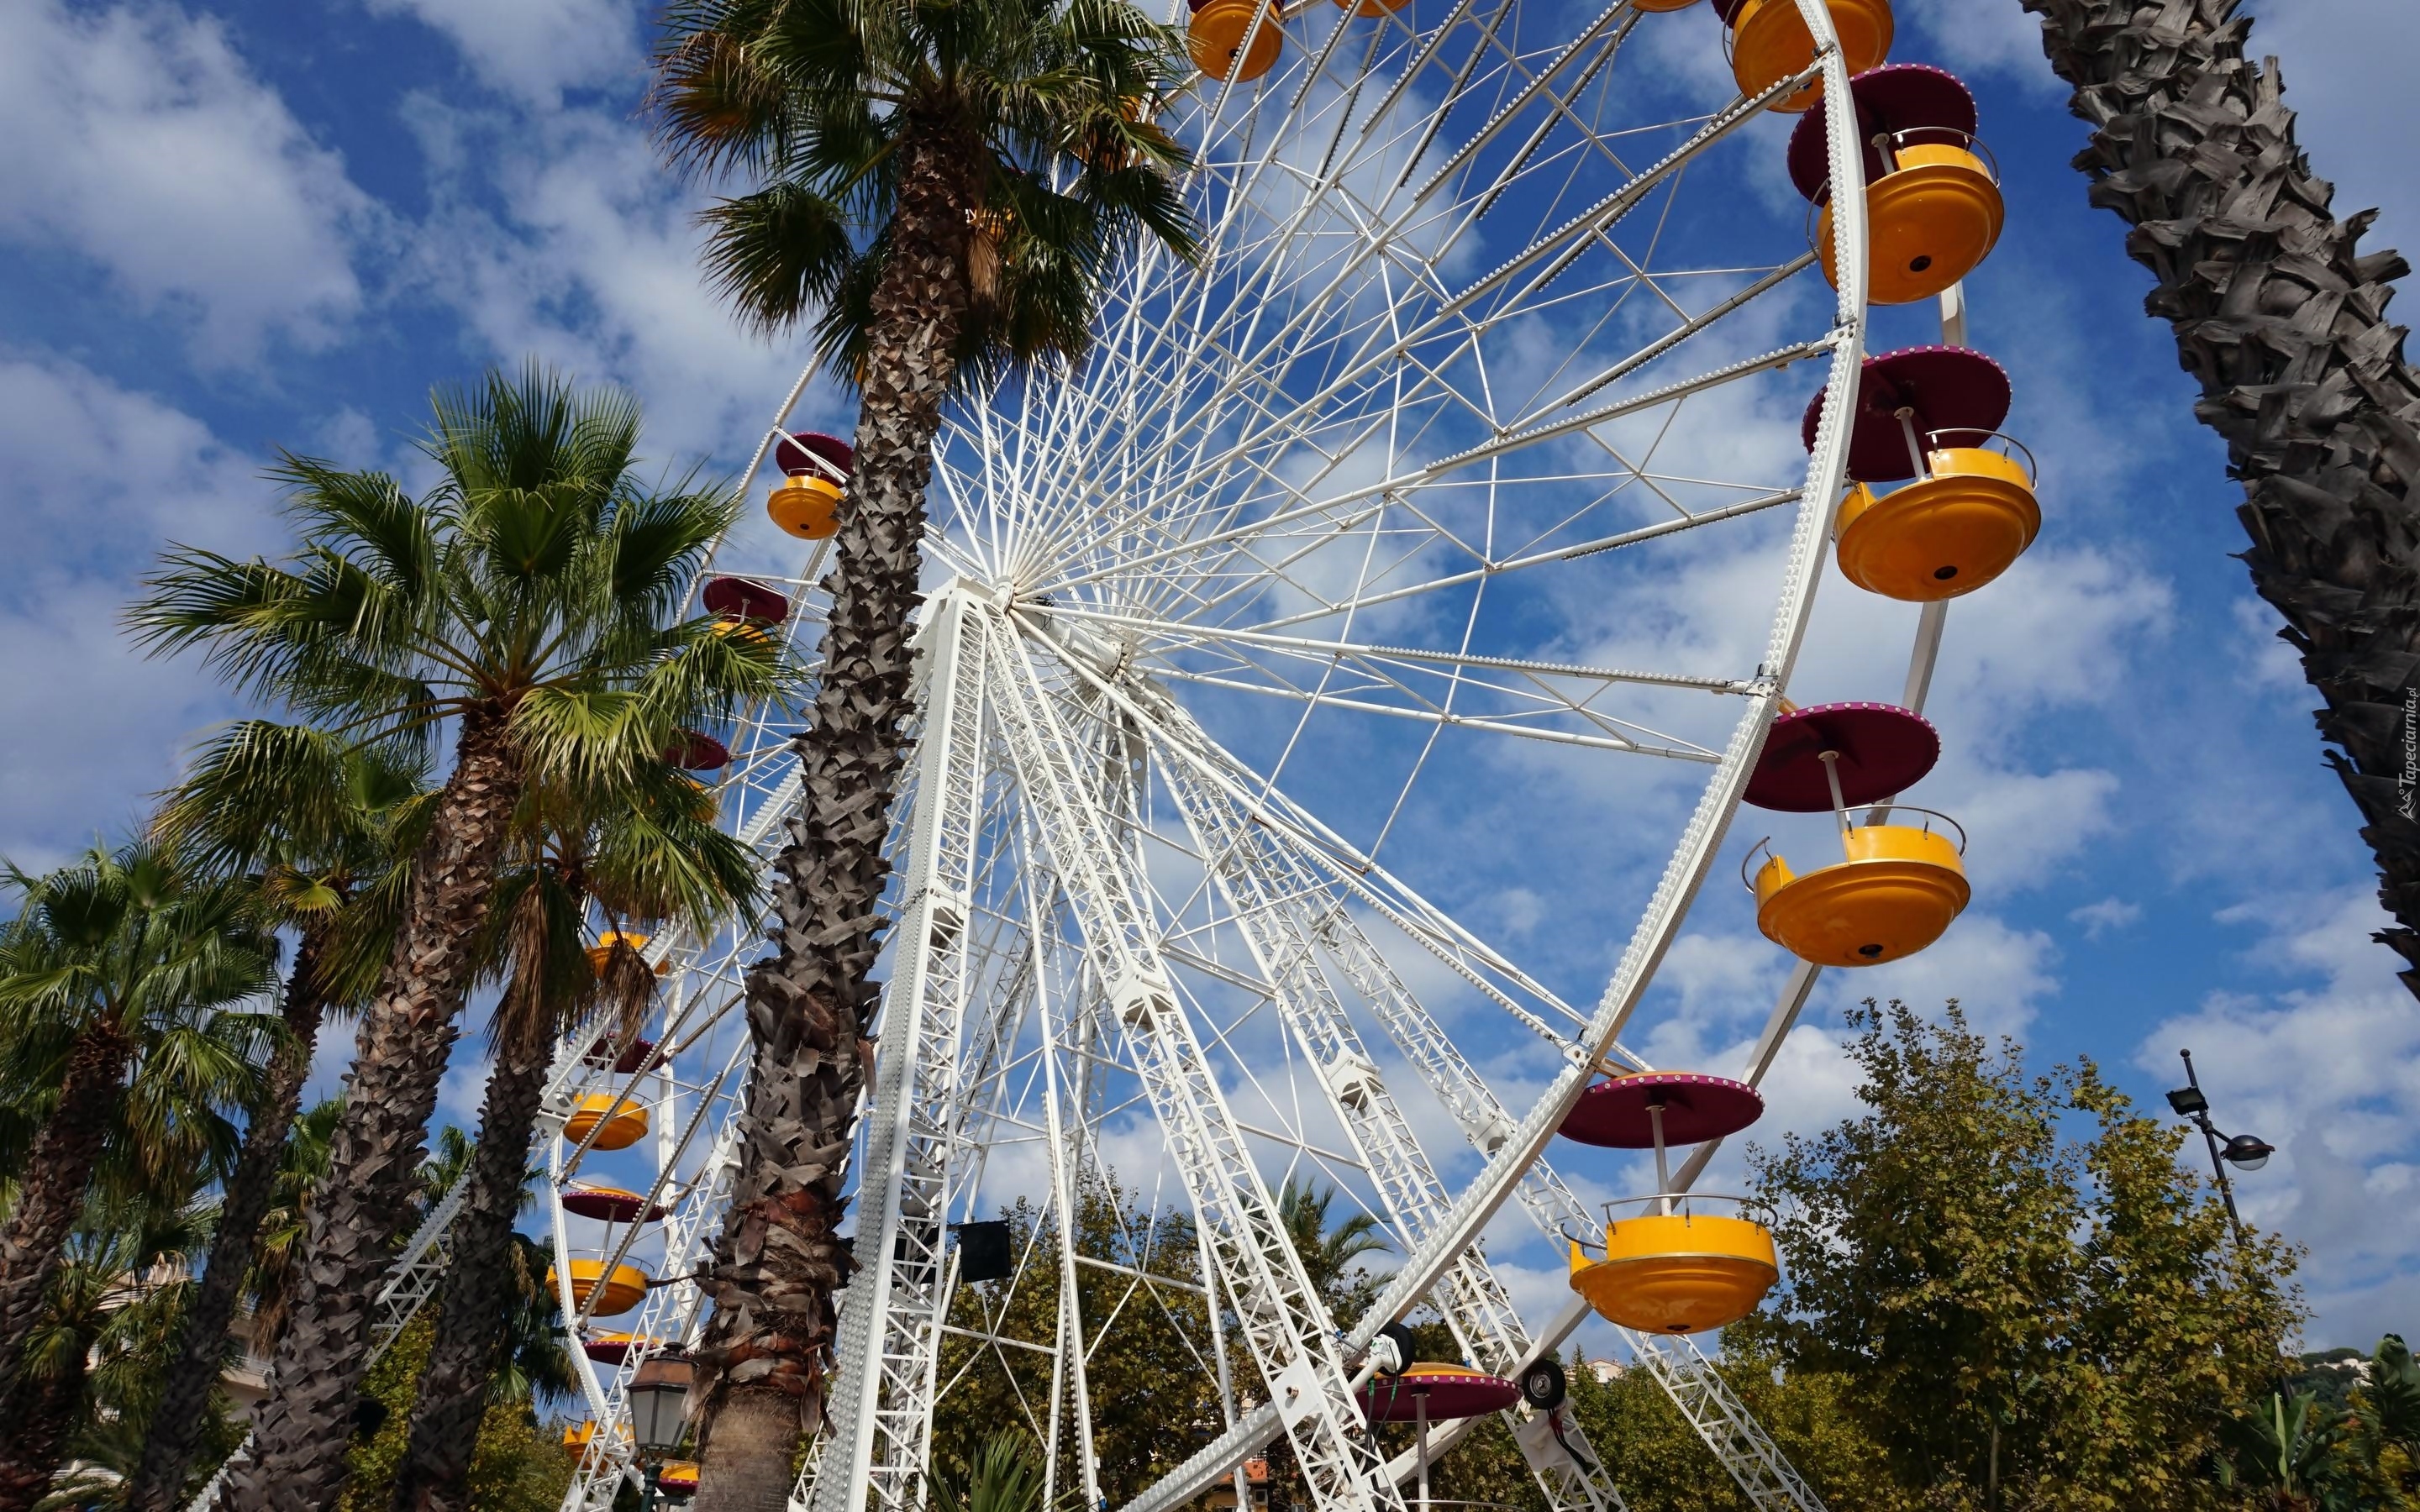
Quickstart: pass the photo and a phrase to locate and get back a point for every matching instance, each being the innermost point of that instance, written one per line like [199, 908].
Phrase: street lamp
[658, 1397]
[2244, 1151]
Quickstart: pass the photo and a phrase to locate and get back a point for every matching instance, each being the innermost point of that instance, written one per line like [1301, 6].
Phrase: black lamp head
[2247, 1152]
[2188, 1101]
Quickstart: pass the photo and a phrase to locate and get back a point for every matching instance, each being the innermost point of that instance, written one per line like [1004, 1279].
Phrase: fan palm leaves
[528, 605]
[938, 188]
[322, 828]
[106, 1330]
[122, 961]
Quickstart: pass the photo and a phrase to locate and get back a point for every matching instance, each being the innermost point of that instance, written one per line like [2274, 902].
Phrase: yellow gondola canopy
[1933, 210]
[1769, 43]
[621, 1291]
[601, 954]
[1930, 416]
[1221, 28]
[625, 1127]
[1897, 889]
[1681, 1272]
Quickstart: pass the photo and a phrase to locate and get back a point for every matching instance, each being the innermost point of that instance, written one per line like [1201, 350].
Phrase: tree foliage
[2017, 1317]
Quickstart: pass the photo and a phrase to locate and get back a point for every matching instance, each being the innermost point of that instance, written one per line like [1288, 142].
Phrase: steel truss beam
[1269, 896]
[880, 1427]
[1282, 1325]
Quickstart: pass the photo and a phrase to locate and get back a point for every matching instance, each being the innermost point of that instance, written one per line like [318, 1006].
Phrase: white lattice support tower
[1273, 900]
[1282, 1323]
[879, 1430]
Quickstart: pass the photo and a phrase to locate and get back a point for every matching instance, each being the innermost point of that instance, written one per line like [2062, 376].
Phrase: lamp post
[2246, 1151]
[658, 1397]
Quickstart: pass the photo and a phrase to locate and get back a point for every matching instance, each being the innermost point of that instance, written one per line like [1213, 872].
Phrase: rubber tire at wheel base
[1543, 1385]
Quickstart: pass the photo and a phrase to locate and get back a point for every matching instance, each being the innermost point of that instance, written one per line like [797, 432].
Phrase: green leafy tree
[321, 831]
[2014, 1319]
[645, 854]
[1661, 1464]
[517, 1464]
[123, 962]
[941, 185]
[530, 603]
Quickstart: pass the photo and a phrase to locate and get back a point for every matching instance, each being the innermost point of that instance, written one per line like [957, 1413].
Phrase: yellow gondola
[602, 952]
[1896, 891]
[621, 1291]
[1953, 529]
[1218, 31]
[1769, 42]
[1671, 1268]
[627, 1125]
[1679, 1271]
[1931, 415]
[806, 506]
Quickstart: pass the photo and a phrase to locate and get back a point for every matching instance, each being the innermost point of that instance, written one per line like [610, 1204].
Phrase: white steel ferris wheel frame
[1064, 701]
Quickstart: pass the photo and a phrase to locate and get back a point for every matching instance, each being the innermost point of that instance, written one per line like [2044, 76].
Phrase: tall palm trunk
[42, 1413]
[2282, 320]
[182, 1411]
[435, 1476]
[762, 1364]
[33, 1246]
[363, 1207]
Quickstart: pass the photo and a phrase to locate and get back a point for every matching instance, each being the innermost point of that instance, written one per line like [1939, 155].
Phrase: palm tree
[530, 603]
[103, 1336]
[1006, 1476]
[942, 184]
[268, 1284]
[254, 806]
[2281, 319]
[1328, 1251]
[122, 961]
[639, 851]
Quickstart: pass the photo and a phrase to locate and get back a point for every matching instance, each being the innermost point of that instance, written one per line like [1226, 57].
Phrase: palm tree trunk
[2282, 320]
[435, 1476]
[761, 1364]
[33, 1244]
[40, 1415]
[363, 1208]
[182, 1411]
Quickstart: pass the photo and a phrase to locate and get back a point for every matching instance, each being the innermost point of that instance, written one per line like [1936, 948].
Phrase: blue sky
[227, 227]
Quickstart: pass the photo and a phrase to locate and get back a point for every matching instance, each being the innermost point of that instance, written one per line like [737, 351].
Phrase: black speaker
[983, 1251]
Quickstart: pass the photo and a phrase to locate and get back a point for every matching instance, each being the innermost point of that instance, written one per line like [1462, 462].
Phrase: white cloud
[2108, 914]
[139, 139]
[593, 267]
[532, 50]
[98, 476]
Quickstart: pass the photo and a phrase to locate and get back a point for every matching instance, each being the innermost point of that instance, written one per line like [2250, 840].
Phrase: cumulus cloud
[140, 140]
[2098, 919]
[99, 475]
[534, 50]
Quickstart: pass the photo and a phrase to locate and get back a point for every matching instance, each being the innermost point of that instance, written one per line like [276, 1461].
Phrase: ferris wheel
[1490, 454]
